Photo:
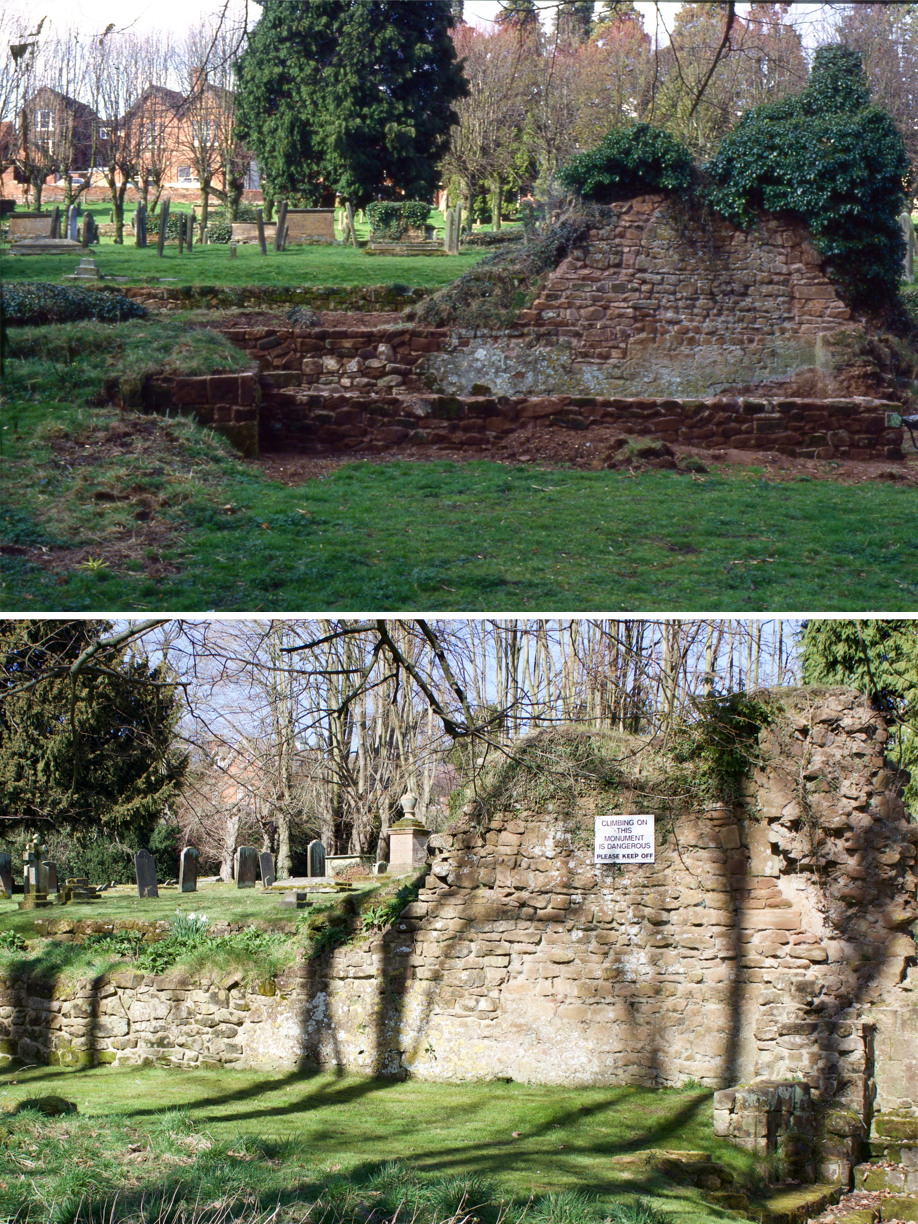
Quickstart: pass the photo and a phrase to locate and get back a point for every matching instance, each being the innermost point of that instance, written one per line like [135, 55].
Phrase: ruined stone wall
[768, 939]
[666, 299]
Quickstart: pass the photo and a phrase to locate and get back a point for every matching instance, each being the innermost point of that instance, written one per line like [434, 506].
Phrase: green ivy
[836, 161]
[719, 744]
[631, 160]
[36, 302]
[390, 219]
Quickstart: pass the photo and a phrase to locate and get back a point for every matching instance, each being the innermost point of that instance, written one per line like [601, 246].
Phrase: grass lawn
[294, 1137]
[102, 511]
[297, 267]
[220, 902]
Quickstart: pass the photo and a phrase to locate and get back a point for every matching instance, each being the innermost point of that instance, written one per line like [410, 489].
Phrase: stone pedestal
[407, 846]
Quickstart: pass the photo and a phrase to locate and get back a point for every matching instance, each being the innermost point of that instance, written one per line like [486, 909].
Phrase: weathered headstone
[260, 222]
[246, 867]
[189, 230]
[380, 868]
[49, 875]
[145, 870]
[163, 219]
[266, 864]
[56, 221]
[6, 873]
[280, 226]
[73, 220]
[140, 225]
[293, 900]
[315, 852]
[188, 870]
[89, 230]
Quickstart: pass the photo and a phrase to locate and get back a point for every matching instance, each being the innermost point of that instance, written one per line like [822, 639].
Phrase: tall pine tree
[351, 98]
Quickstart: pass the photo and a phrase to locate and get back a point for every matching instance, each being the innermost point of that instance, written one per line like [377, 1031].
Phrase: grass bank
[221, 1137]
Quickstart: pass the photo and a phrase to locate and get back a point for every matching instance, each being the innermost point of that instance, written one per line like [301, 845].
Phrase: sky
[177, 15]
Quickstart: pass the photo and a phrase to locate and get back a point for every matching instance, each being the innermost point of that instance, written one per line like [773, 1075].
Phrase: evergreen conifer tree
[351, 98]
[86, 750]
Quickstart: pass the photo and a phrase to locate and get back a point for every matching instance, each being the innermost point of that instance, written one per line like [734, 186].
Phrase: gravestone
[380, 868]
[449, 222]
[37, 226]
[266, 863]
[293, 900]
[260, 223]
[306, 226]
[163, 221]
[316, 859]
[280, 225]
[6, 873]
[188, 870]
[246, 867]
[56, 221]
[140, 225]
[73, 220]
[50, 877]
[89, 230]
[145, 870]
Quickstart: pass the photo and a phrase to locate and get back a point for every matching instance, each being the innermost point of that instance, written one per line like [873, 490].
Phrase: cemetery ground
[342, 1149]
[320, 1144]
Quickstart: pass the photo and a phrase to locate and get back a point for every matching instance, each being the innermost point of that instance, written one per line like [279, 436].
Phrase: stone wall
[665, 299]
[769, 940]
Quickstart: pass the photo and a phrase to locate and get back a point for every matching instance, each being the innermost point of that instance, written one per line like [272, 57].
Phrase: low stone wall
[341, 359]
[227, 402]
[361, 298]
[295, 418]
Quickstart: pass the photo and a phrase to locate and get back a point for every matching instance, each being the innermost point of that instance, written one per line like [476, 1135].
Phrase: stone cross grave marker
[316, 858]
[145, 869]
[6, 873]
[188, 870]
[266, 863]
[247, 867]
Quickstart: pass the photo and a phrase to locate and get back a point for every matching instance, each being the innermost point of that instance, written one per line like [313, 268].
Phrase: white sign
[624, 839]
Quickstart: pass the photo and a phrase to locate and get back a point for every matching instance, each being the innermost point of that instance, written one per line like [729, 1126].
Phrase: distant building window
[43, 120]
[184, 174]
[104, 133]
[202, 131]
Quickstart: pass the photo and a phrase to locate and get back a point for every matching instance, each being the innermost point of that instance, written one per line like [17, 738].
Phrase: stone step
[886, 1177]
[900, 1207]
[793, 1204]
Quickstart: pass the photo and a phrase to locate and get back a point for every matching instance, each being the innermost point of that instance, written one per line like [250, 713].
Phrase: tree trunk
[497, 203]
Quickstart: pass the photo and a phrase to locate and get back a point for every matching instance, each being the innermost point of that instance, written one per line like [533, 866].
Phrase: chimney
[198, 78]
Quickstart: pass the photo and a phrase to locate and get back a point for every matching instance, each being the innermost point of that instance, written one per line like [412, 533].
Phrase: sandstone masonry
[769, 940]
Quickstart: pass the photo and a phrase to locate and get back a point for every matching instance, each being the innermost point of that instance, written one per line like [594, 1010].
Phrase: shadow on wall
[766, 941]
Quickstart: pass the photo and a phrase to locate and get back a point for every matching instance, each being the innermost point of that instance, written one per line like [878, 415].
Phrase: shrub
[498, 238]
[835, 160]
[220, 229]
[390, 219]
[630, 161]
[36, 302]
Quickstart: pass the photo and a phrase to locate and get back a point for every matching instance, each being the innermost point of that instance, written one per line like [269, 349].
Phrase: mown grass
[218, 1136]
[107, 512]
[213, 266]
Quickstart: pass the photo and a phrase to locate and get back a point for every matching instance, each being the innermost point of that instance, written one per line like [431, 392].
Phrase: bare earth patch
[602, 449]
[97, 457]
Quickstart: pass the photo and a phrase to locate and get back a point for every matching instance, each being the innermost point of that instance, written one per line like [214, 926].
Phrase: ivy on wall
[630, 161]
[834, 159]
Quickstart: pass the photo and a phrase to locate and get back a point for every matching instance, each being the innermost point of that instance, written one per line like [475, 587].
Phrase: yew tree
[86, 732]
[352, 98]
